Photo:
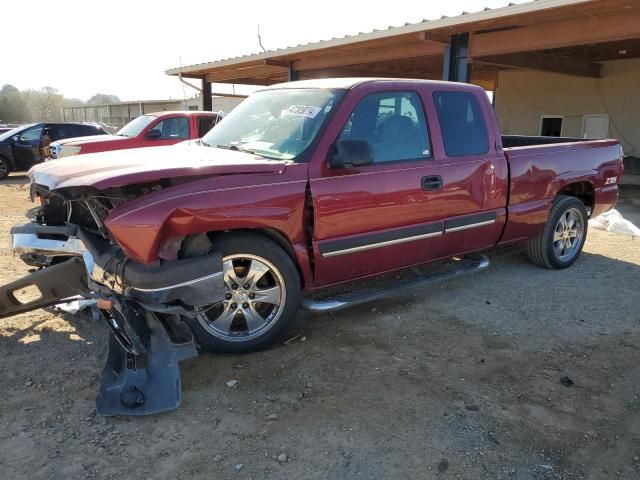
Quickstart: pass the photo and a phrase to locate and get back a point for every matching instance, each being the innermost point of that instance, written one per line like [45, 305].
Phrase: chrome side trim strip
[470, 225]
[178, 285]
[371, 246]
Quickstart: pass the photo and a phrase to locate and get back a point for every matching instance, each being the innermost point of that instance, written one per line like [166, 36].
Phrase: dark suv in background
[21, 148]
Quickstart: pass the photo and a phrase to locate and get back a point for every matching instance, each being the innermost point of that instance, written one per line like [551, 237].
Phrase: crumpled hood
[126, 167]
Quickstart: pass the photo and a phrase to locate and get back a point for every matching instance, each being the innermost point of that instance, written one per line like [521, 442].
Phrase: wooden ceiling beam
[276, 63]
[556, 35]
[487, 84]
[545, 62]
[355, 57]
[246, 72]
[249, 80]
[430, 37]
[355, 72]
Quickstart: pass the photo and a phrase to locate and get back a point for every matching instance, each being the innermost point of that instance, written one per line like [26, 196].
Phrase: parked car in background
[4, 129]
[150, 130]
[22, 147]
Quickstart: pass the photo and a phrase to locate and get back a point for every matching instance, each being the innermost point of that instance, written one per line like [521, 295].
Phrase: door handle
[432, 182]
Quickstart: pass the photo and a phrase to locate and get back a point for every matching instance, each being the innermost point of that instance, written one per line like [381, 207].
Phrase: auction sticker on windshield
[303, 111]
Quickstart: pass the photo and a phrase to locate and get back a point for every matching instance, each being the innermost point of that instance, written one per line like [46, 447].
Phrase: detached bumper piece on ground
[142, 375]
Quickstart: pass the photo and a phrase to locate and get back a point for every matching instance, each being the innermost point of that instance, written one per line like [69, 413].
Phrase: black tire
[5, 168]
[258, 247]
[542, 250]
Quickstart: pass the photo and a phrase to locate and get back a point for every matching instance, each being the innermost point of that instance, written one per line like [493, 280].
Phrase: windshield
[278, 124]
[135, 126]
[13, 132]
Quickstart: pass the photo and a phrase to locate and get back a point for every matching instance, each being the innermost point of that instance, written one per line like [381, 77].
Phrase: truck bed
[539, 170]
[510, 141]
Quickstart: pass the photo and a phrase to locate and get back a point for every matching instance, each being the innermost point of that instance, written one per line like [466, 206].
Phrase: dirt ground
[460, 380]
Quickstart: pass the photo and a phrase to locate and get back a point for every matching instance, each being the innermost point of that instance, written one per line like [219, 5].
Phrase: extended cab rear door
[414, 202]
[476, 174]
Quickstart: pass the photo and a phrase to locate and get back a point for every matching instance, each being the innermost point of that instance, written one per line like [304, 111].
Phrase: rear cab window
[462, 123]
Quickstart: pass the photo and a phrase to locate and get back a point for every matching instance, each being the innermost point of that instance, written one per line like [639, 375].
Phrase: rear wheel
[262, 296]
[561, 241]
[5, 168]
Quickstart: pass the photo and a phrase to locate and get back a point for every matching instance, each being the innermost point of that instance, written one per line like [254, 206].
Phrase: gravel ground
[460, 380]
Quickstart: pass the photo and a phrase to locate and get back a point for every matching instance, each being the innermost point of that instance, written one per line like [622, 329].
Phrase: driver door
[384, 215]
[26, 148]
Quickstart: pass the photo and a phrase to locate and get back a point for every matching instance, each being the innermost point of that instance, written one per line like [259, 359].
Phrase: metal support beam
[456, 66]
[292, 74]
[207, 102]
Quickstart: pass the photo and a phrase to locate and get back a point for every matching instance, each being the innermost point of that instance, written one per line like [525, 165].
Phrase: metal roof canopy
[566, 36]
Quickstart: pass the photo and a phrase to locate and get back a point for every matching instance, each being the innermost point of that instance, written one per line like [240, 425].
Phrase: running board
[463, 266]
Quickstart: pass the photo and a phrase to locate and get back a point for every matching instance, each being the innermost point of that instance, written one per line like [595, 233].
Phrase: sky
[123, 47]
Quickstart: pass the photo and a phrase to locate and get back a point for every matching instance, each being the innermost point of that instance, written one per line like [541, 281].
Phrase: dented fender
[210, 205]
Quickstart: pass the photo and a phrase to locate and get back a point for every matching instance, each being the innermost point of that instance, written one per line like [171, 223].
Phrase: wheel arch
[9, 161]
[279, 239]
[583, 191]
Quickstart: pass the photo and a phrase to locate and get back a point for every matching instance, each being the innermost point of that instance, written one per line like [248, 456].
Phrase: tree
[12, 105]
[102, 98]
[73, 102]
[45, 104]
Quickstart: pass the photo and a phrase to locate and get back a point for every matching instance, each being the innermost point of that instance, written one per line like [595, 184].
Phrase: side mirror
[15, 139]
[351, 152]
[153, 134]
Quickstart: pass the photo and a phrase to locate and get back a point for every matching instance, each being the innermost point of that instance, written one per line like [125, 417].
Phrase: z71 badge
[610, 180]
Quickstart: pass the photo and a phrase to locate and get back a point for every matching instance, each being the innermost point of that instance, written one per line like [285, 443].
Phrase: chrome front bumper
[192, 282]
[38, 245]
[31, 243]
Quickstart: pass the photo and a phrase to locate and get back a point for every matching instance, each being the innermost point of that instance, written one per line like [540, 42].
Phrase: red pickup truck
[304, 186]
[150, 130]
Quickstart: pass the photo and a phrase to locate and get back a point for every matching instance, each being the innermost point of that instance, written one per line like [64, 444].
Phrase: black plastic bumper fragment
[55, 284]
[50, 231]
[149, 381]
[193, 281]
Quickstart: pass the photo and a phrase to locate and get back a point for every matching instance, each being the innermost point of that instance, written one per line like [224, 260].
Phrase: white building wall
[524, 96]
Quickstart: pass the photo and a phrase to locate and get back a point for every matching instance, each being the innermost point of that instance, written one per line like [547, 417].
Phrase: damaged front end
[142, 304]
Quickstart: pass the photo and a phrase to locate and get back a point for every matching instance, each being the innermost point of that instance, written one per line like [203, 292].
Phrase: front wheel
[262, 296]
[564, 234]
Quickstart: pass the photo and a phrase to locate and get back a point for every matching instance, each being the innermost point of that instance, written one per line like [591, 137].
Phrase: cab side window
[31, 136]
[172, 128]
[395, 125]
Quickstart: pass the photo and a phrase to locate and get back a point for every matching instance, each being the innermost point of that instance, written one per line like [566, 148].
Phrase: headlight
[68, 151]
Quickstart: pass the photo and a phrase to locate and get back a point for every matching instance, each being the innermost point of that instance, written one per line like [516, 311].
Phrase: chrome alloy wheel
[255, 299]
[568, 234]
